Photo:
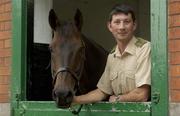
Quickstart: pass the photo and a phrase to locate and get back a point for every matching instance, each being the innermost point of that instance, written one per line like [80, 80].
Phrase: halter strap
[66, 69]
[69, 70]
[74, 75]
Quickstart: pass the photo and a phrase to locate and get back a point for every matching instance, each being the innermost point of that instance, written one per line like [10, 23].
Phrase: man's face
[122, 26]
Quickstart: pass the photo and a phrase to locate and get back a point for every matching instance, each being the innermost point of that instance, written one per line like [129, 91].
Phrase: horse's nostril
[62, 99]
[69, 94]
[69, 97]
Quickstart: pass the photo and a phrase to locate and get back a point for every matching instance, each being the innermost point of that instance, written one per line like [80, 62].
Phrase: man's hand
[113, 98]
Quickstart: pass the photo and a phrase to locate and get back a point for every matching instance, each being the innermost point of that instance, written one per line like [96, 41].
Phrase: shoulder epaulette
[113, 50]
[140, 42]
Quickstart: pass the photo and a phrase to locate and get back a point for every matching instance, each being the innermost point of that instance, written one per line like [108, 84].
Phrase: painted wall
[42, 31]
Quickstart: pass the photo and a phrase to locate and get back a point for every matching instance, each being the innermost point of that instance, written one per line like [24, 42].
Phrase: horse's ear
[78, 18]
[53, 19]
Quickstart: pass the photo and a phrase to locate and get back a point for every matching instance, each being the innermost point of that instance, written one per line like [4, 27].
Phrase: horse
[77, 62]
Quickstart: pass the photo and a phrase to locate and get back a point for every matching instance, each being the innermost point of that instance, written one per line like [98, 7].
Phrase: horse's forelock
[67, 30]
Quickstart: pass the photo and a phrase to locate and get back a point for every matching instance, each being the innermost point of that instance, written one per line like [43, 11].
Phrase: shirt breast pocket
[130, 80]
[115, 84]
[113, 76]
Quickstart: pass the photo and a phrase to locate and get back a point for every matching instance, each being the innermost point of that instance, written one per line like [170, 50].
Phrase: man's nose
[121, 25]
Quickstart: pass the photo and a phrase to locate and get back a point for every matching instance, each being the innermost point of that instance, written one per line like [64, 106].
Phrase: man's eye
[127, 22]
[117, 22]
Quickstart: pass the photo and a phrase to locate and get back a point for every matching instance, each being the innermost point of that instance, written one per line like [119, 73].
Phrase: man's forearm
[91, 97]
[138, 95]
[131, 97]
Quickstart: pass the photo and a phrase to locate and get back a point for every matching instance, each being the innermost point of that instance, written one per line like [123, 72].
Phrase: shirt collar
[129, 49]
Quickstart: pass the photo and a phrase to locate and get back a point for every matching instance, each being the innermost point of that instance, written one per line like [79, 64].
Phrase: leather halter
[75, 76]
[67, 69]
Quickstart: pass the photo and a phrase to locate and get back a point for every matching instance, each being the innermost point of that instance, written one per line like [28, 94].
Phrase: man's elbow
[145, 93]
[144, 97]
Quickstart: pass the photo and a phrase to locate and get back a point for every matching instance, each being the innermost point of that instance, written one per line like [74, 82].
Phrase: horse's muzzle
[63, 99]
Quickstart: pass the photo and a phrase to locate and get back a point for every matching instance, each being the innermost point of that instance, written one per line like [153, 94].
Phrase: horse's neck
[95, 62]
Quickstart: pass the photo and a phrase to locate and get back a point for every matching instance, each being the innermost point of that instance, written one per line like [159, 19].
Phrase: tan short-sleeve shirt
[129, 70]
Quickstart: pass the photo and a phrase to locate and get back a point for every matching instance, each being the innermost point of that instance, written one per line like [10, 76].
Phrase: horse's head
[67, 57]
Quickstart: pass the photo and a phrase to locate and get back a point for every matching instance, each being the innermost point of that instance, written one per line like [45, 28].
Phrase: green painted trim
[19, 66]
[24, 49]
[159, 58]
[42, 108]
[64, 113]
[16, 49]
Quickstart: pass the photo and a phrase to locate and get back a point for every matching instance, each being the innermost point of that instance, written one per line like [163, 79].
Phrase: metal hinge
[156, 97]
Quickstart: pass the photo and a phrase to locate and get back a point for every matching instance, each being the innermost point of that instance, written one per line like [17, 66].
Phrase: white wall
[42, 30]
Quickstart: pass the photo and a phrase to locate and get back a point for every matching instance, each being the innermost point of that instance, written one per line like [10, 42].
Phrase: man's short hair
[122, 8]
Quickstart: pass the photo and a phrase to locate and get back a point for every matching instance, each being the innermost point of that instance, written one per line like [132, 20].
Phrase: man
[128, 68]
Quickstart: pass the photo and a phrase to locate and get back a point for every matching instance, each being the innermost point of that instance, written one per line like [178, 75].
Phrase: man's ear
[53, 20]
[109, 26]
[135, 26]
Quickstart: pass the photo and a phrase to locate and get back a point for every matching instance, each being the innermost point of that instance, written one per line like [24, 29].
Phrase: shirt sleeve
[104, 83]
[143, 72]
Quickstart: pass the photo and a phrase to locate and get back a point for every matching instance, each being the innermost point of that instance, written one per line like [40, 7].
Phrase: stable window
[30, 38]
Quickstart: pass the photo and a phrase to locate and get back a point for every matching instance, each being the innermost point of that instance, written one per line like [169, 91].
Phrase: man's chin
[123, 38]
